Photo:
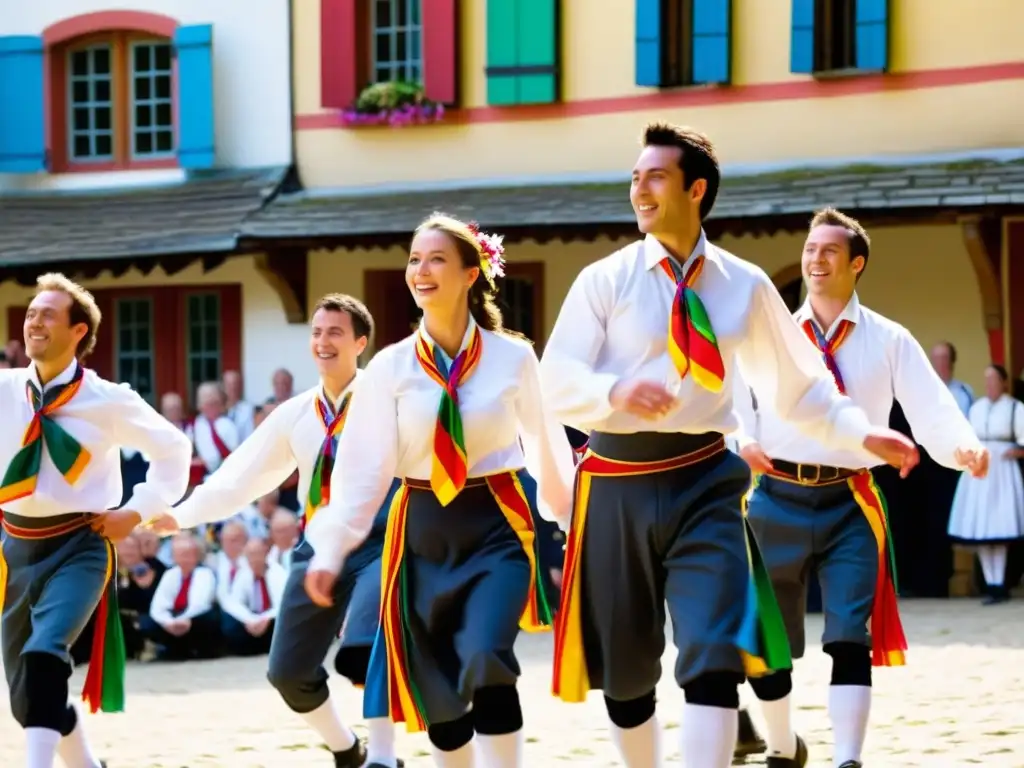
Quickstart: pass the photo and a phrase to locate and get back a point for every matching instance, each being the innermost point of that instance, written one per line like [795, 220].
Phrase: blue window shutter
[648, 42]
[872, 36]
[801, 45]
[22, 113]
[194, 49]
[712, 48]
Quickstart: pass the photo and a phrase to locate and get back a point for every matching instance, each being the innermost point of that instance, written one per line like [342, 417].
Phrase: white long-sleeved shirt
[104, 418]
[241, 602]
[999, 421]
[289, 438]
[202, 591]
[878, 360]
[390, 433]
[614, 325]
[206, 448]
[226, 571]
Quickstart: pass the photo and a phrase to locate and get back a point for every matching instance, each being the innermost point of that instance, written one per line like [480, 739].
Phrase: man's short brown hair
[83, 308]
[860, 243]
[362, 320]
[697, 159]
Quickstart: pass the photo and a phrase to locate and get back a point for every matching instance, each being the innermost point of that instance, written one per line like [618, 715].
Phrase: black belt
[811, 474]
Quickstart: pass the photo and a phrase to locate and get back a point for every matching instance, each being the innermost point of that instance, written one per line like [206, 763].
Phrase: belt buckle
[807, 479]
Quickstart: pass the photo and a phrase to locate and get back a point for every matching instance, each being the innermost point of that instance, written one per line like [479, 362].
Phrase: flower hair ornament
[491, 254]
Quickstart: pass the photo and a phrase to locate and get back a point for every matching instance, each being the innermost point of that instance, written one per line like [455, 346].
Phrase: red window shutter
[339, 53]
[440, 50]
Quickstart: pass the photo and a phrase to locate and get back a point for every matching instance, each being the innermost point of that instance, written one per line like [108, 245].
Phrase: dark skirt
[458, 582]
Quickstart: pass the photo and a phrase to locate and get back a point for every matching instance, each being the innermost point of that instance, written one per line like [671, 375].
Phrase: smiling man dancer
[63, 428]
[639, 356]
[817, 507]
[303, 433]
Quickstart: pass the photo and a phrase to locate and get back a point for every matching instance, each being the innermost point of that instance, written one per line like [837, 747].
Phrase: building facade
[903, 113]
[134, 139]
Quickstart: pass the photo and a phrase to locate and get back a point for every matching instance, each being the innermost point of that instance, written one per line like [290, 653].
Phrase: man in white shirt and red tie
[642, 357]
[231, 559]
[60, 454]
[302, 433]
[816, 506]
[252, 603]
[183, 617]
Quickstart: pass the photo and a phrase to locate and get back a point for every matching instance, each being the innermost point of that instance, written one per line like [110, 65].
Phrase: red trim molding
[106, 21]
[716, 95]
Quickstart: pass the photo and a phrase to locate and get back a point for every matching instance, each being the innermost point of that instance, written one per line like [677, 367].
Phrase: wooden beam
[982, 238]
[287, 272]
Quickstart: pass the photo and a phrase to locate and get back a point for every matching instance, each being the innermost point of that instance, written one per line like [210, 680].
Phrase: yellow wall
[598, 63]
[944, 303]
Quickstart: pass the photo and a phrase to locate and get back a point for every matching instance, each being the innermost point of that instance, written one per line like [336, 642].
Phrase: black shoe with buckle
[852, 764]
[749, 741]
[799, 760]
[353, 757]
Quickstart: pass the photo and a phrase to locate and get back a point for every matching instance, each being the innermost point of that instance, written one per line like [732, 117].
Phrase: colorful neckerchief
[450, 467]
[692, 344]
[829, 347]
[320, 483]
[66, 453]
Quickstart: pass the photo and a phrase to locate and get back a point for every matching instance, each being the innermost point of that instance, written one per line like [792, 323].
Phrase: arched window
[118, 92]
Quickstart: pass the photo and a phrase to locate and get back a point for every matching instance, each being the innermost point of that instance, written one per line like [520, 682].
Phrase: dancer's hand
[756, 458]
[320, 587]
[974, 460]
[164, 524]
[116, 524]
[646, 399]
[893, 448]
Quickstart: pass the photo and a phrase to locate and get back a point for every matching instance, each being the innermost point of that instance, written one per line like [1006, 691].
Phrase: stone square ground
[959, 702]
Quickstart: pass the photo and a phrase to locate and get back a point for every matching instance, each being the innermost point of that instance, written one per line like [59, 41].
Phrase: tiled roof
[202, 214]
[862, 187]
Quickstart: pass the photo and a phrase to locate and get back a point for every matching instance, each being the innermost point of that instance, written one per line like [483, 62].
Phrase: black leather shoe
[799, 761]
[353, 757]
[852, 764]
[749, 741]
[401, 764]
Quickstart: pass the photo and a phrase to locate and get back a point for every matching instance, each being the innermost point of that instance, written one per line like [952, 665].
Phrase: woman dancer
[445, 409]
[988, 512]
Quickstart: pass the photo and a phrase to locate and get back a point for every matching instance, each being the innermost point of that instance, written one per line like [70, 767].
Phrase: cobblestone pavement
[960, 702]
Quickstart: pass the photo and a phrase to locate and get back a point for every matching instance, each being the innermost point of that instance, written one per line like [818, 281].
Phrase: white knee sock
[849, 707]
[504, 751]
[998, 565]
[325, 721]
[380, 747]
[708, 736]
[638, 747]
[986, 557]
[74, 748]
[40, 747]
[778, 721]
[463, 757]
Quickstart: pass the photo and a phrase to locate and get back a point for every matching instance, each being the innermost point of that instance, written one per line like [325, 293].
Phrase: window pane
[142, 88]
[101, 60]
[80, 120]
[163, 115]
[142, 63]
[211, 306]
[382, 17]
[195, 337]
[163, 87]
[102, 119]
[162, 58]
[81, 146]
[79, 91]
[403, 12]
[164, 141]
[143, 116]
[80, 63]
[143, 143]
[101, 90]
[104, 145]
[134, 354]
